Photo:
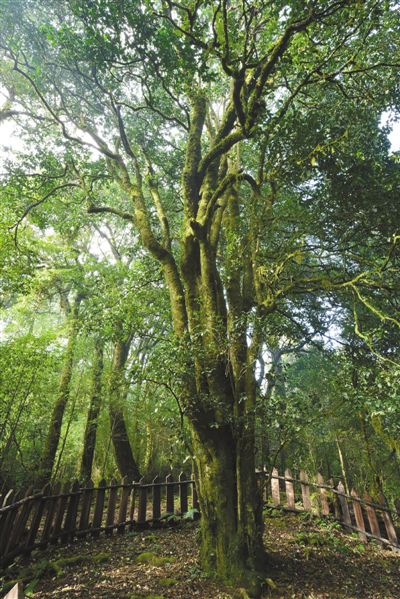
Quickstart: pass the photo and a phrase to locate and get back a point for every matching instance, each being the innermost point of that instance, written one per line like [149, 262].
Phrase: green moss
[100, 558]
[58, 565]
[241, 593]
[167, 582]
[97, 558]
[148, 557]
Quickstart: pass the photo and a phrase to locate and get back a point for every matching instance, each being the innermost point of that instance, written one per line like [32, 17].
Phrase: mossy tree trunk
[118, 390]
[89, 442]
[213, 311]
[218, 292]
[54, 431]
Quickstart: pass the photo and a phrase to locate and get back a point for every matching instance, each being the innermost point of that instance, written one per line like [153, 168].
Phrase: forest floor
[309, 558]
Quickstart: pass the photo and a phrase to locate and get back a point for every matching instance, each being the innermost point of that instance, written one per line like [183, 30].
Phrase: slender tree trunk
[14, 425]
[343, 466]
[89, 442]
[149, 453]
[125, 461]
[54, 430]
[375, 471]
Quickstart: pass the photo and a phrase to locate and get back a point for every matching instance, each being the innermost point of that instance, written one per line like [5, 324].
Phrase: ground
[309, 558]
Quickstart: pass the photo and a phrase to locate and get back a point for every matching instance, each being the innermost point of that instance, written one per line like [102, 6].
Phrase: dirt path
[309, 559]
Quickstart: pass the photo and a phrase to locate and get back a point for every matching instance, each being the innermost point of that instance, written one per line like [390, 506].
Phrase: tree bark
[149, 453]
[230, 504]
[54, 430]
[89, 442]
[223, 416]
[343, 465]
[124, 458]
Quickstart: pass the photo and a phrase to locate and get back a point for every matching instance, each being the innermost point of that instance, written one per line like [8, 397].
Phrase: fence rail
[370, 519]
[61, 514]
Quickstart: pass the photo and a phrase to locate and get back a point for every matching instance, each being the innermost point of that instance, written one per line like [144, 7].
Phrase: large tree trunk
[54, 430]
[125, 461]
[89, 442]
[230, 503]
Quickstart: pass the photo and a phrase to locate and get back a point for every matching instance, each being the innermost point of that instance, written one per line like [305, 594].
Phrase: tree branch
[92, 209]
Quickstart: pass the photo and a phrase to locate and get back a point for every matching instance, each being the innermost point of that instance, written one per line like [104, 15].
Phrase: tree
[53, 434]
[219, 124]
[89, 441]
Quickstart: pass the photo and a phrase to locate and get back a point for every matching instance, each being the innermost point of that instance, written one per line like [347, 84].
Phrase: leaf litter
[308, 559]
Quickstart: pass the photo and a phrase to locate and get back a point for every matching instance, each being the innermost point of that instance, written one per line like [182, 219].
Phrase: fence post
[5, 520]
[267, 486]
[346, 519]
[36, 519]
[60, 510]
[359, 516]
[19, 526]
[99, 507]
[276, 495]
[183, 494]
[133, 506]
[9, 526]
[72, 511]
[85, 511]
[289, 488]
[112, 500]
[387, 518]
[123, 506]
[323, 495]
[335, 500]
[142, 509]
[372, 518]
[51, 508]
[156, 499]
[170, 494]
[305, 491]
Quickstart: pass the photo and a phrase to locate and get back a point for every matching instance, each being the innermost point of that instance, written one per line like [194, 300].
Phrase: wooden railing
[61, 514]
[370, 519]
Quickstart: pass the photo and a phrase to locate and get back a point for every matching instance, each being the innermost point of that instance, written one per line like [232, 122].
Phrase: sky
[394, 136]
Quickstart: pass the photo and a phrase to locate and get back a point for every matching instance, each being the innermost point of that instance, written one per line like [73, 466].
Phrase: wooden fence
[360, 514]
[58, 514]
[61, 514]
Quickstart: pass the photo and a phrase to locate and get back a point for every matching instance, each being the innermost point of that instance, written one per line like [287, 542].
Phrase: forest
[199, 249]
